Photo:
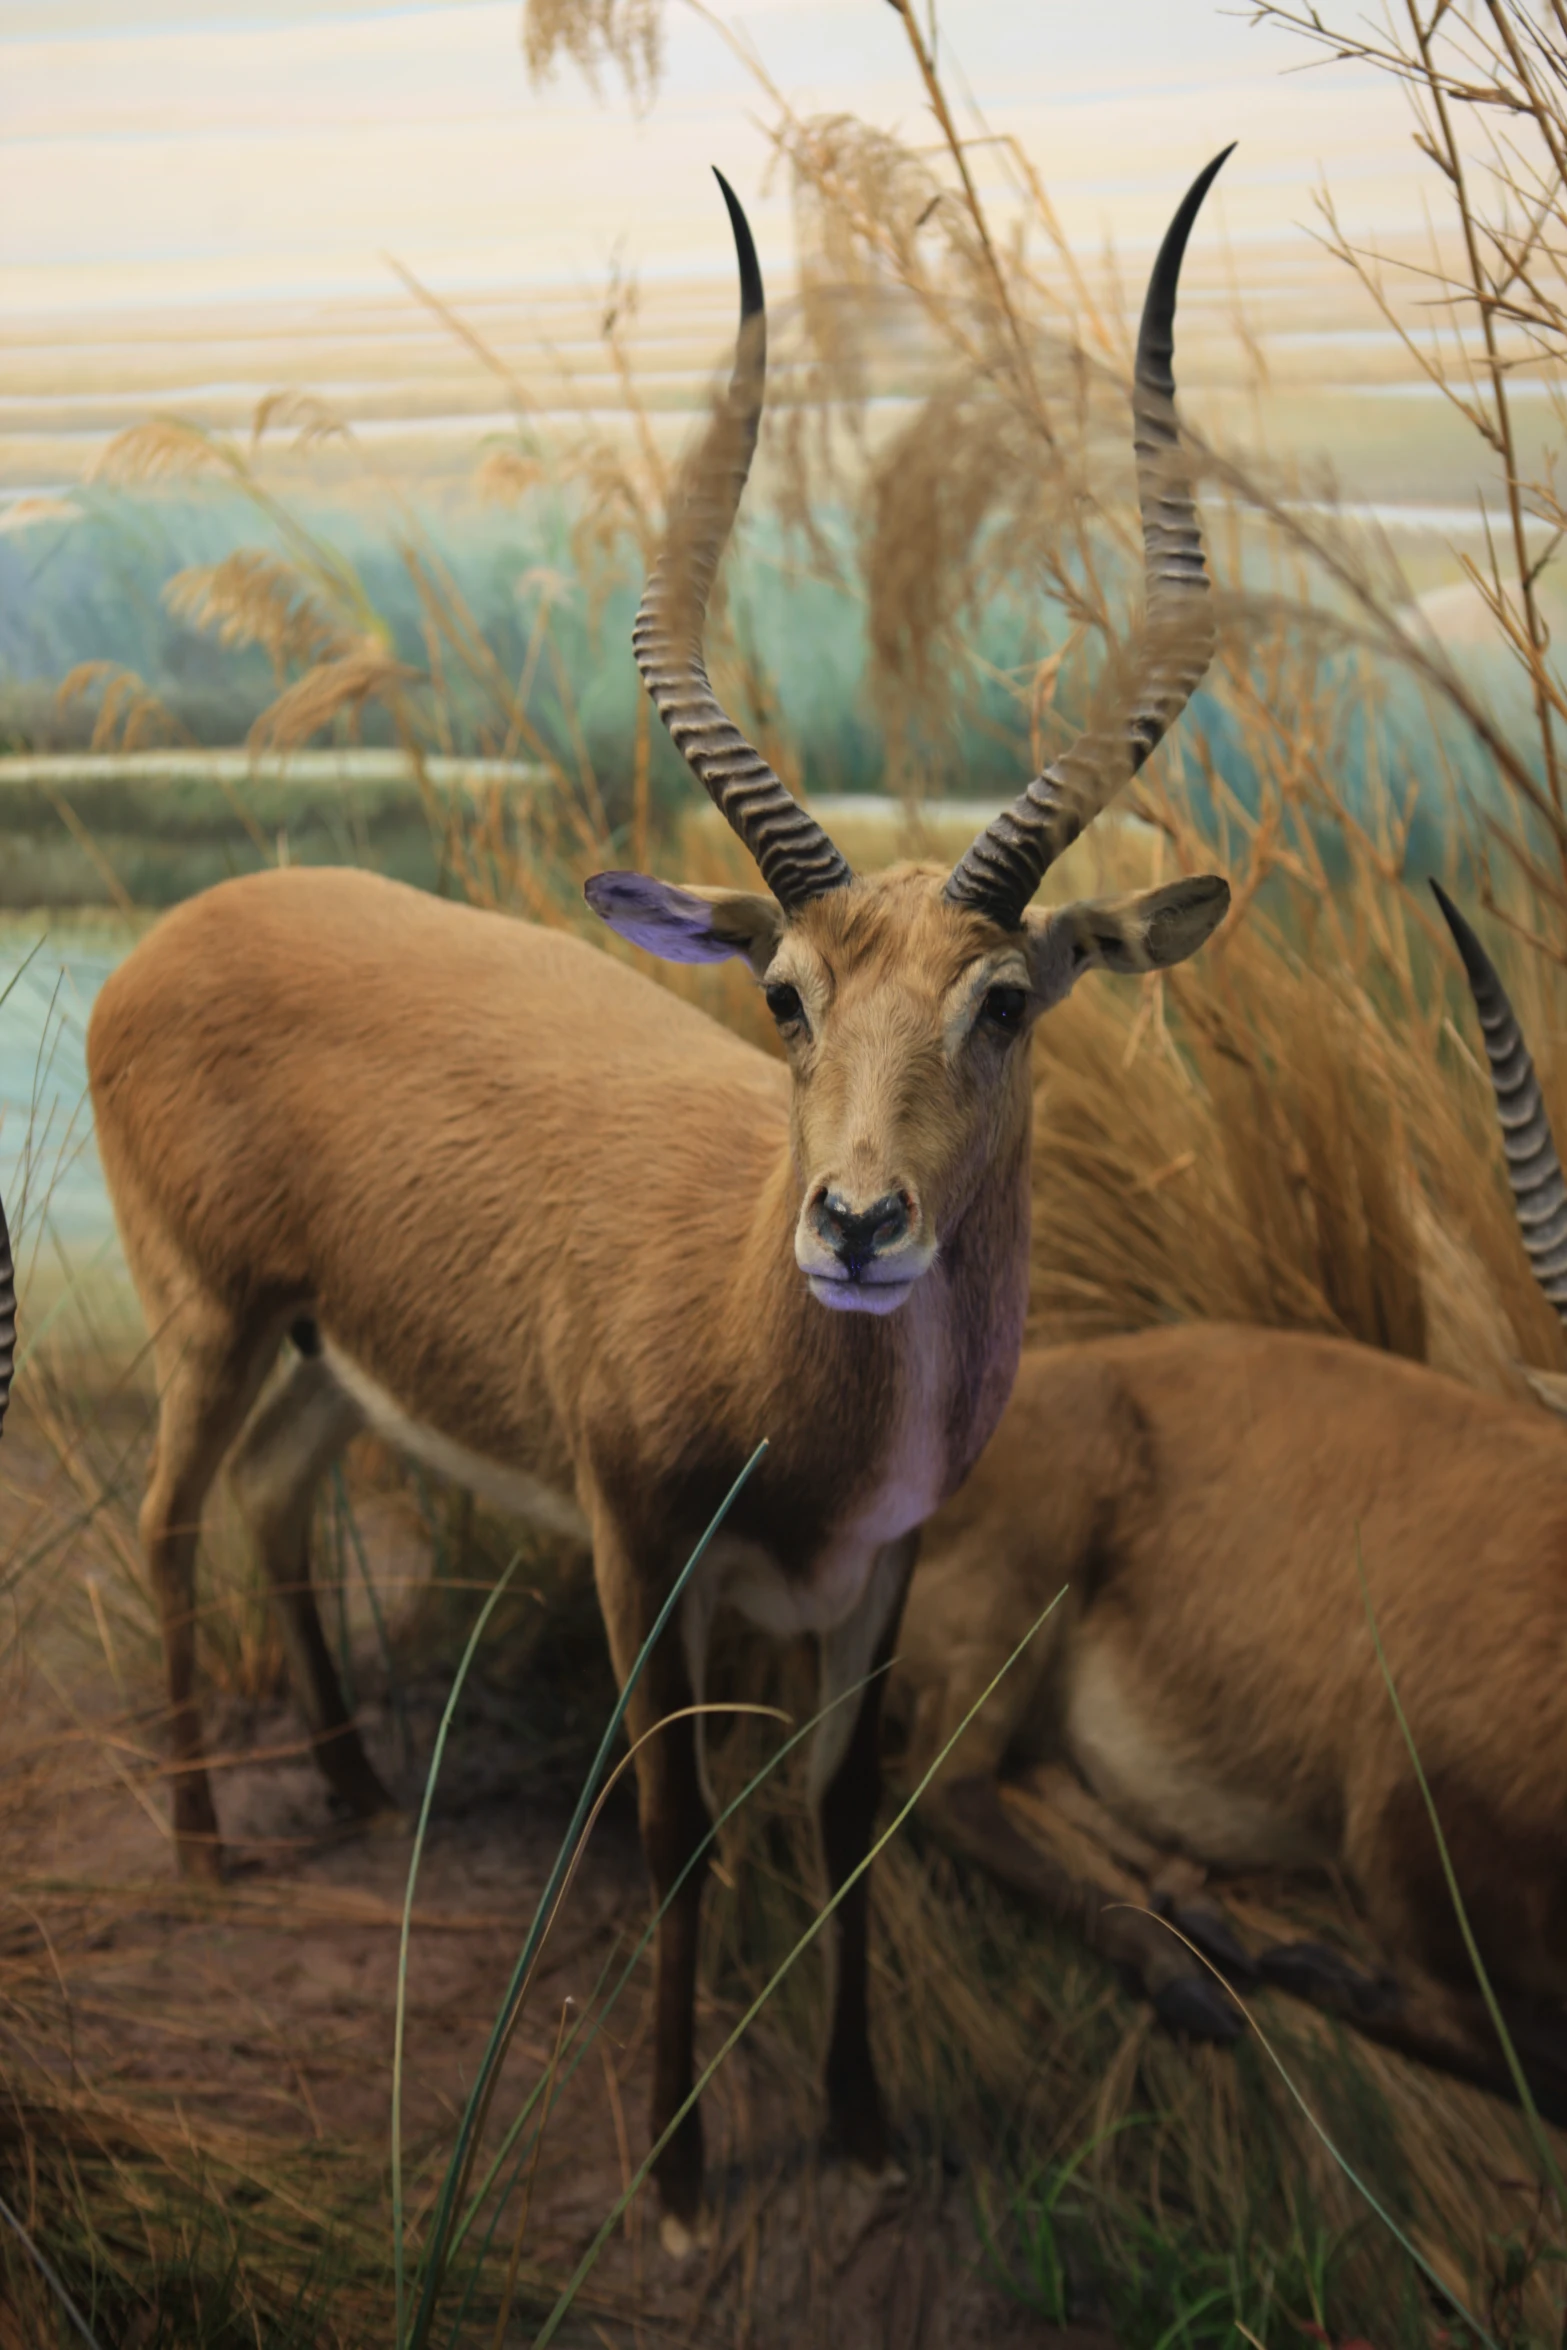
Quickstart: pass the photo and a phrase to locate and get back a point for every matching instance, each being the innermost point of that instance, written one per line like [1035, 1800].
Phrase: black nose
[855, 1236]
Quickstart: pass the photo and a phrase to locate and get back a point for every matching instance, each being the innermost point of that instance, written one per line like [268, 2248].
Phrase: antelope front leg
[849, 1791]
[674, 1821]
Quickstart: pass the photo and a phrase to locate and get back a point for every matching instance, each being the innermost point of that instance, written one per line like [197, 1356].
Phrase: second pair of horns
[1004, 866]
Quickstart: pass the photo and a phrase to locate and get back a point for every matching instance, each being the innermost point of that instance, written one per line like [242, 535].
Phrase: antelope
[564, 1238]
[1208, 1689]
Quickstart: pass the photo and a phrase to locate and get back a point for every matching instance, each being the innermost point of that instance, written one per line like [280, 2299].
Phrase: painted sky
[278, 149]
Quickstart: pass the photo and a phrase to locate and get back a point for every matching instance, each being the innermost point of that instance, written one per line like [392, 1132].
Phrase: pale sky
[261, 149]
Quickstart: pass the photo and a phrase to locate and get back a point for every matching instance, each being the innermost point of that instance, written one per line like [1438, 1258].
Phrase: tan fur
[555, 1227]
[545, 1205]
[1202, 1494]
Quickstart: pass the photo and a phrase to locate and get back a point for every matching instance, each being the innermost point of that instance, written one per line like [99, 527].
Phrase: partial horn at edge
[1533, 1169]
[7, 1314]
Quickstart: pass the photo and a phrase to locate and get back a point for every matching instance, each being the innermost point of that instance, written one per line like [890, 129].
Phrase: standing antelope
[1204, 1494]
[566, 1239]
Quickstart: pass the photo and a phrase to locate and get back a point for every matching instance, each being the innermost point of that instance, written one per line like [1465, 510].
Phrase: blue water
[50, 1178]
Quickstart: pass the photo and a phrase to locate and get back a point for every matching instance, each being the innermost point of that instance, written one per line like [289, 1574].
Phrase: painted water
[50, 1177]
[51, 968]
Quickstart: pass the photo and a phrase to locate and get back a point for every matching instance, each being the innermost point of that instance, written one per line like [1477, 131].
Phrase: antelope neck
[879, 1407]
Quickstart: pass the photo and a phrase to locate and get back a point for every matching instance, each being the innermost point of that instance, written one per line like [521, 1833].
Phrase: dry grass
[1292, 1130]
[1281, 1139]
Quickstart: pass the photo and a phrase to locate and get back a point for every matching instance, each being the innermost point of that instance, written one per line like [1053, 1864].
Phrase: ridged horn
[1533, 1168]
[1001, 871]
[7, 1314]
[797, 860]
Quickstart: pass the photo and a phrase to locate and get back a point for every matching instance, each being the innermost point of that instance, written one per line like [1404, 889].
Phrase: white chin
[859, 1297]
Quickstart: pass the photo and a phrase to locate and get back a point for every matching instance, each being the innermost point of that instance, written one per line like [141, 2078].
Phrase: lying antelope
[567, 1240]
[1203, 1495]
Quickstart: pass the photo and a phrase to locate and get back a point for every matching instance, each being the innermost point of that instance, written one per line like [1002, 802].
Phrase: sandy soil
[266, 2008]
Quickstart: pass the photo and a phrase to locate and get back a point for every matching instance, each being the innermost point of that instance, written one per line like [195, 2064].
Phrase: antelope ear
[1146, 932]
[688, 925]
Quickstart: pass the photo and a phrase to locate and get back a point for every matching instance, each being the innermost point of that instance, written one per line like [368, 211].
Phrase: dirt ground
[266, 2008]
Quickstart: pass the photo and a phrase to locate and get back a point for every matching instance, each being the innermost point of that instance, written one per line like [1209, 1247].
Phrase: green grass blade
[1438, 2284]
[79, 1275]
[468, 1654]
[50, 2276]
[1053, 2183]
[584, 2267]
[573, 2041]
[594, 2021]
[434, 2264]
[1537, 2130]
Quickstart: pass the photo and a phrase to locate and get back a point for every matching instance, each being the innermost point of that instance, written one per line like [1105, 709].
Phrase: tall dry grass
[1293, 1130]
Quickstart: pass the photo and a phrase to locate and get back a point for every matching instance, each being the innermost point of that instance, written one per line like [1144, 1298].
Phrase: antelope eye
[784, 1004]
[1003, 1008]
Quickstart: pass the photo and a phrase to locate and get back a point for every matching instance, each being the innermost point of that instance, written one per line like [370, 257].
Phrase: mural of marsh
[638, 1288]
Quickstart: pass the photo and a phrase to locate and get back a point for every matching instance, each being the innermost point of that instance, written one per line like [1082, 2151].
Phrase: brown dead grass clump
[1292, 1130]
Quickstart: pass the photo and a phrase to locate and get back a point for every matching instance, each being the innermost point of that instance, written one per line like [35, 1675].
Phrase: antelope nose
[857, 1235]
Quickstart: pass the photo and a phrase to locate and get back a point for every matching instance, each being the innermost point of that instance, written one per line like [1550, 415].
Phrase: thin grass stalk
[508, 2295]
[542, 2088]
[585, 2266]
[401, 2012]
[50, 2275]
[78, 1282]
[626, 1762]
[1537, 2131]
[476, 2270]
[1061, 2178]
[1356, 2181]
[522, 1981]
[1485, 302]
[925, 59]
[434, 2261]
[601, 2017]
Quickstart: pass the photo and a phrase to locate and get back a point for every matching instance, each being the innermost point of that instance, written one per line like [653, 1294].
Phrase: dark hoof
[1209, 1932]
[682, 2239]
[678, 2175]
[1314, 1971]
[1195, 2007]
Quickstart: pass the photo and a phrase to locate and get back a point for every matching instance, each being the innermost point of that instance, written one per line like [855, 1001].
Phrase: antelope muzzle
[861, 1255]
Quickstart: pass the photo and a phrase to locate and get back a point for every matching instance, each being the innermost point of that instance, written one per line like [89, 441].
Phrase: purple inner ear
[656, 915]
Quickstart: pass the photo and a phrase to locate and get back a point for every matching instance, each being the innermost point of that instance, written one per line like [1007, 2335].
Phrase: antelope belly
[500, 1483]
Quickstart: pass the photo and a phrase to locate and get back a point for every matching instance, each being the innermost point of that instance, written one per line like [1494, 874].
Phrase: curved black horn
[1001, 871]
[797, 859]
[1533, 1168]
[7, 1313]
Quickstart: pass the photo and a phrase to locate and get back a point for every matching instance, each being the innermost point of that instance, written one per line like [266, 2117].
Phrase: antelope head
[904, 998]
